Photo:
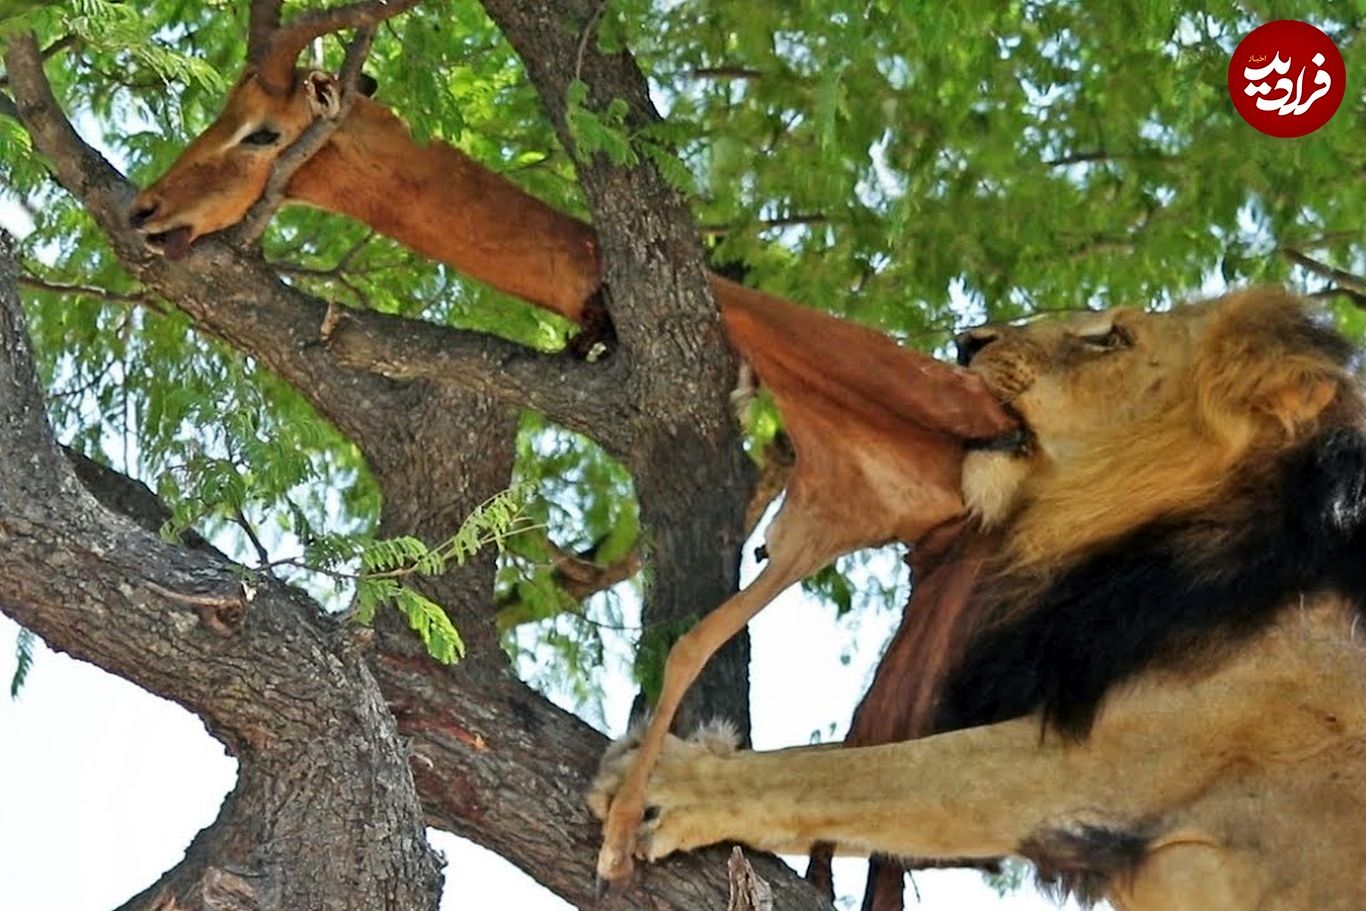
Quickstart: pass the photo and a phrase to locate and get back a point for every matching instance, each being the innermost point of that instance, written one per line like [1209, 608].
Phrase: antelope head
[225, 169]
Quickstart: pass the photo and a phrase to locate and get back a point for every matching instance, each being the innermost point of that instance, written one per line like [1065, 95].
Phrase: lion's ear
[1290, 394]
[1265, 358]
[1300, 403]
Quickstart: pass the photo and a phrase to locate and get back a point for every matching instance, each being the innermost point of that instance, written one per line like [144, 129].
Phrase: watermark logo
[1287, 78]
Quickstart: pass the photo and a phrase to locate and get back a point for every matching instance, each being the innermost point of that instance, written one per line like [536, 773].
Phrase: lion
[1156, 691]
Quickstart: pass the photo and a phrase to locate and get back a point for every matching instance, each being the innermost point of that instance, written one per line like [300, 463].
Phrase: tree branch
[494, 761]
[587, 398]
[1348, 284]
[266, 671]
[241, 300]
[577, 576]
[520, 794]
[129, 498]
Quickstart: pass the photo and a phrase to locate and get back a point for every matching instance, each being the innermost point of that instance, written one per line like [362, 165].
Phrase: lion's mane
[1171, 539]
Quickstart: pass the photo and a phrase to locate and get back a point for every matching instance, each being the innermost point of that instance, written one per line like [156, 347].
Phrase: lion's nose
[142, 213]
[971, 343]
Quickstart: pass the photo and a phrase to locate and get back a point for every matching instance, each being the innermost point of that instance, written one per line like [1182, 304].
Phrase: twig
[400, 572]
[748, 892]
[261, 553]
[103, 294]
[1347, 283]
[253, 225]
[339, 274]
[94, 381]
[587, 32]
[1332, 291]
[727, 72]
[577, 575]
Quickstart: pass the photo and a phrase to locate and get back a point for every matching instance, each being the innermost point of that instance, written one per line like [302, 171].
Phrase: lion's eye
[1109, 340]
[262, 137]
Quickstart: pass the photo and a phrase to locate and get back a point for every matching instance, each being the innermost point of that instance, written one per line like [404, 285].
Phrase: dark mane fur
[1174, 591]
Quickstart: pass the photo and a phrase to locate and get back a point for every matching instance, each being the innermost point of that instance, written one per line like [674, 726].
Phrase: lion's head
[1181, 478]
[1132, 416]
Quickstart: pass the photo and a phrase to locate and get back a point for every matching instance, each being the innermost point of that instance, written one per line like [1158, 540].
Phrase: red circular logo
[1287, 78]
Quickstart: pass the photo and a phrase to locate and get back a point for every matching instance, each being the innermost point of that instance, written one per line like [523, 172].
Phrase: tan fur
[1260, 766]
[1250, 768]
[1211, 381]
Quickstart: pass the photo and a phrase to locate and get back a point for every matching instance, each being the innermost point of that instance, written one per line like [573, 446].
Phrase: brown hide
[878, 432]
[899, 704]
[878, 429]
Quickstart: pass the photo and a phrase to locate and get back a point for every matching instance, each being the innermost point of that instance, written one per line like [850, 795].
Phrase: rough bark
[748, 892]
[324, 814]
[496, 763]
[691, 476]
[492, 759]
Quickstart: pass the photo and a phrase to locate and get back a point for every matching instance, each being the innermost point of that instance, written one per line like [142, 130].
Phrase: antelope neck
[438, 201]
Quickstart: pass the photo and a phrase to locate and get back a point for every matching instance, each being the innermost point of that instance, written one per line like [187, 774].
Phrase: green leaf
[432, 625]
[24, 645]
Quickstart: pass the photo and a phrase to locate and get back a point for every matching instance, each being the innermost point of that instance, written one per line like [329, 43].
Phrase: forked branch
[272, 48]
[1346, 283]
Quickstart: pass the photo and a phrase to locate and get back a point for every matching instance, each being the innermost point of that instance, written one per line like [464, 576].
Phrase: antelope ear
[324, 94]
[366, 84]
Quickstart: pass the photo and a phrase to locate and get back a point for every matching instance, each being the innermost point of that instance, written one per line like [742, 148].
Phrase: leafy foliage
[598, 131]
[387, 563]
[916, 169]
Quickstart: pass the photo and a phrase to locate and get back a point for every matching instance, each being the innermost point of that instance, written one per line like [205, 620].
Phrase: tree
[911, 171]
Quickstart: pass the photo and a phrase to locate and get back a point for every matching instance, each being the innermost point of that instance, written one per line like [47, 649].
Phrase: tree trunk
[692, 478]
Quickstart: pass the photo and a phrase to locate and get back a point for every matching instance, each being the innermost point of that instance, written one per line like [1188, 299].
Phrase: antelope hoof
[614, 865]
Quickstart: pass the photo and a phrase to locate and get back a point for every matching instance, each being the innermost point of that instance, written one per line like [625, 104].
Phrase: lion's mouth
[173, 244]
[1016, 442]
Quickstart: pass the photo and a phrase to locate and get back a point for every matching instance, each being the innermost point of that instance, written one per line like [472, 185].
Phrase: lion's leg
[982, 792]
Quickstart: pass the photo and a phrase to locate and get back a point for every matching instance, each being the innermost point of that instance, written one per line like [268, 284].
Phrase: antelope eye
[1109, 340]
[262, 137]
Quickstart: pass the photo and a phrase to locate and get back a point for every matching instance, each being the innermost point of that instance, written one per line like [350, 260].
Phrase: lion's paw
[667, 794]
